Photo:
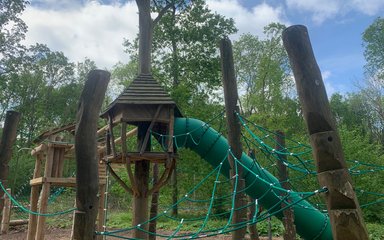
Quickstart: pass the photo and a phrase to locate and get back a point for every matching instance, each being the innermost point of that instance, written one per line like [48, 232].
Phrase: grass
[121, 220]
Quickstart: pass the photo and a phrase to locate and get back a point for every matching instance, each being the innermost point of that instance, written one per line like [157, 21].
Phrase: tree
[264, 75]
[185, 42]
[373, 41]
[12, 31]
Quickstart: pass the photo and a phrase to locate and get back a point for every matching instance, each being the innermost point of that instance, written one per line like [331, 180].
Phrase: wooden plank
[38, 149]
[128, 163]
[234, 131]
[131, 133]
[158, 157]
[343, 208]
[18, 222]
[58, 182]
[56, 158]
[5, 221]
[61, 160]
[148, 133]
[112, 135]
[70, 127]
[87, 180]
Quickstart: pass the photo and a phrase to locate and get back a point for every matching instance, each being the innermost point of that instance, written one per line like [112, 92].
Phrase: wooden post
[141, 175]
[234, 131]
[87, 178]
[171, 150]
[288, 219]
[252, 228]
[32, 222]
[101, 211]
[8, 138]
[154, 203]
[45, 192]
[6, 213]
[343, 208]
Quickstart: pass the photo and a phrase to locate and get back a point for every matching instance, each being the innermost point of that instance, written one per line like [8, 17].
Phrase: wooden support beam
[288, 219]
[148, 133]
[18, 222]
[154, 204]
[234, 132]
[56, 158]
[119, 181]
[5, 221]
[8, 138]
[131, 133]
[252, 228]
[101, 213]
[44, 194]
[111, 135]
[87, 178]
[38, 149]
[32, 223]
[343, 208]
[127, 161]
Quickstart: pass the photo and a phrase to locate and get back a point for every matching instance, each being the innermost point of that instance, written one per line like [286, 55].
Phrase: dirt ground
[64, 234]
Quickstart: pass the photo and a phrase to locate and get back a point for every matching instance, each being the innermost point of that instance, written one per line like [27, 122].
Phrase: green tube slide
[213, 148]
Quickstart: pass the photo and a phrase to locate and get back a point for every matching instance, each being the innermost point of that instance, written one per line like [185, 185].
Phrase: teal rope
[14, 201]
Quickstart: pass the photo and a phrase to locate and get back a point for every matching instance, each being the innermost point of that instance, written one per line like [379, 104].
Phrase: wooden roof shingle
[144, 90]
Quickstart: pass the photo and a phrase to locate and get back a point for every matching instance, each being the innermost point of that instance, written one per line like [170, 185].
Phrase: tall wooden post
[35, 189]
[234, 132]
[8, 138]
[87, 178]
[252, 228]
[288, 219]
[343, 208]
[6, 213]
[140, 201]
[45, 191]
[154, 203]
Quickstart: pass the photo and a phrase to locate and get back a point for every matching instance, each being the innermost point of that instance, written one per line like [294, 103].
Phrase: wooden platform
[59, 182]
[153, 157]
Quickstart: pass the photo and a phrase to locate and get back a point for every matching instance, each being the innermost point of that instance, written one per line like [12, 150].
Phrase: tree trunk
[141, 175]
[145, 35]
[288, 214]
[7, 140]
[234, 134]
[343, 208]
[87, 178]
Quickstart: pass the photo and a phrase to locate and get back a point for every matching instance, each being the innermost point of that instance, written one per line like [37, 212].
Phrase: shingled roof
[144, 90]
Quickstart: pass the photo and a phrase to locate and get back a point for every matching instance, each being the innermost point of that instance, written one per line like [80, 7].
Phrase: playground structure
[147, 107]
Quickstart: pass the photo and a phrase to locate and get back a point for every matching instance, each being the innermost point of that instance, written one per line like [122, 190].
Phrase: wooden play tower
[146, 105]
[51, 154]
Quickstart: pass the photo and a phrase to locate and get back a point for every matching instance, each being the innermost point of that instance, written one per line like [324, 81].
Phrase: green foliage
[373, 41]
[375, 231]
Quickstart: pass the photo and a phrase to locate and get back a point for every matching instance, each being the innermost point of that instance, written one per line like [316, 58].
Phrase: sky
[97, 29]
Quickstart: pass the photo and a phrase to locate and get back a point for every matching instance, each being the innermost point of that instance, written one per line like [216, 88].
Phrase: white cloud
[248, 20]
[323, 10]
[92, 30]
[369, 7]
[331, 87]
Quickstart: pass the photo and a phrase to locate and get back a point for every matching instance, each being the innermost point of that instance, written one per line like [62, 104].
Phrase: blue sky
[96, 29]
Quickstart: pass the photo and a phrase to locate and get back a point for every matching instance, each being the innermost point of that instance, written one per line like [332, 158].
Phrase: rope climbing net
[200, 216]
[209, 207]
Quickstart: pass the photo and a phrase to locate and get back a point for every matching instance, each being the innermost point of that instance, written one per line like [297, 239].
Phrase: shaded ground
[64, 234]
